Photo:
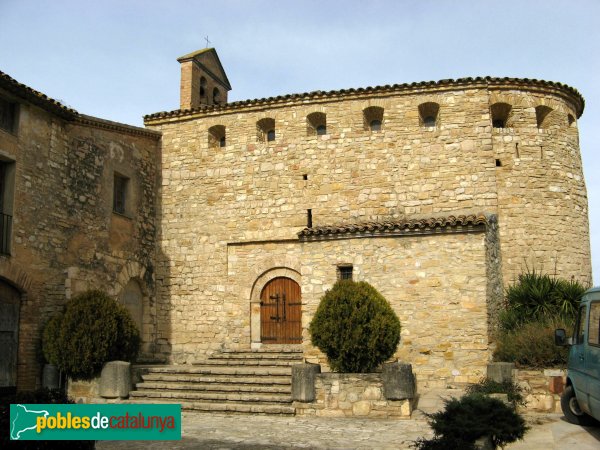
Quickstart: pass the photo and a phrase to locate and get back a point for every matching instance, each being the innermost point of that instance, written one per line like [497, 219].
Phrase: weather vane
[207, 41]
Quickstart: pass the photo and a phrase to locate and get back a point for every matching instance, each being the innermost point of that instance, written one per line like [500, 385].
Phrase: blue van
[581, 399]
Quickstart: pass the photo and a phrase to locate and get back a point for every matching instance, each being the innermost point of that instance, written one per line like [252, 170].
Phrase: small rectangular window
[120, 194]
[579, 327]
[8, 116]
[345, 272]
[594, 326]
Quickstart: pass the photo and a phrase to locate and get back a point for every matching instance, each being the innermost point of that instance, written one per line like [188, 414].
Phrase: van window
[594, 328]
[579, 327]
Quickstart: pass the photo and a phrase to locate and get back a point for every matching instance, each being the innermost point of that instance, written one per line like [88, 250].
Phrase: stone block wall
[542, 388]
[352, 395]
[246, 201]
[65, 237]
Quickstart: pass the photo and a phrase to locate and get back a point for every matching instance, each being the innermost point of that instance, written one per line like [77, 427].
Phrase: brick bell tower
[203, 80]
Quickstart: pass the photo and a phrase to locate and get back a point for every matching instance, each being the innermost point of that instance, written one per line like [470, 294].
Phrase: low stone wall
[84, 391]
[542, 388]
[352, 395]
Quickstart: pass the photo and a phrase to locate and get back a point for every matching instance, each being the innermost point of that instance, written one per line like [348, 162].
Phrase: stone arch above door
[130, 283]
[257, 288]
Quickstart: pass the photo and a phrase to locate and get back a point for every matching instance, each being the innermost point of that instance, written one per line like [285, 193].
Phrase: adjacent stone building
[240, 215]
[78, 206]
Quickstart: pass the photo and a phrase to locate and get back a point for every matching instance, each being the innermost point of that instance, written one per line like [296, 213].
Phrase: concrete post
[500, 371]
[398, 381]
[303, 382]
[50, 377]
[115, 380]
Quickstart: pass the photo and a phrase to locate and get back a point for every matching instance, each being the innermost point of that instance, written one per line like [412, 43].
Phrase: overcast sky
[117, 59]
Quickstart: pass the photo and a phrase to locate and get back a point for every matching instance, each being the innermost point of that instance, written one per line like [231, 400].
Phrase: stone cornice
[104, 124]
[491, 83]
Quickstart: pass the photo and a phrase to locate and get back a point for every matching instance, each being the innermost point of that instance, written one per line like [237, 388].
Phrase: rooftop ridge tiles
[360, 90]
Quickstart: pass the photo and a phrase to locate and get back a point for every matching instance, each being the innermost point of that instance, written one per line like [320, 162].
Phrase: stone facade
[220, 193]
[65, 237]
[230, 214]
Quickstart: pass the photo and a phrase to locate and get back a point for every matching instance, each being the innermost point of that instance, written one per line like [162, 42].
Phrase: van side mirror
[560, 337]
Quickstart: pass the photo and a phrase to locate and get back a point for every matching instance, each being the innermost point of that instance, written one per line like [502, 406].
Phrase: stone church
[220, 225]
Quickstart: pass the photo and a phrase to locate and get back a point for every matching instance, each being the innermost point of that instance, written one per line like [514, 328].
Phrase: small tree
[92, 330]
[464, 421]
[355, 327]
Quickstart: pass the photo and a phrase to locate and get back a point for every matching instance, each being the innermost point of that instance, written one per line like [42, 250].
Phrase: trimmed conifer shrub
[355, 327]
[92, 330]
[463, 421]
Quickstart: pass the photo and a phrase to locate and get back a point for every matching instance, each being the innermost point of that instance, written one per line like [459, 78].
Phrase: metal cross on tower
[207, 41]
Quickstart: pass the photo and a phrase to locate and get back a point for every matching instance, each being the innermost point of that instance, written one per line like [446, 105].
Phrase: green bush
[463, 421]
[51, 345]
[41, 396]
[532, 344]
[486, 386]
[355, 327]
[536, 296]
[92, 330]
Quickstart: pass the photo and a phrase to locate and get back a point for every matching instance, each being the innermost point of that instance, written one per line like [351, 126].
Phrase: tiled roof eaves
[36, 97]
[407, 227]
[116, 126]
[488, 82]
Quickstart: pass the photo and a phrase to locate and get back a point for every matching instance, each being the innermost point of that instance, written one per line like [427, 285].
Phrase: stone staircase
[251, 382]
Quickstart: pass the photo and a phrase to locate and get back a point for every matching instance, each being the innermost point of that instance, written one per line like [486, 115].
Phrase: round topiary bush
[92, 330]
[355, 327]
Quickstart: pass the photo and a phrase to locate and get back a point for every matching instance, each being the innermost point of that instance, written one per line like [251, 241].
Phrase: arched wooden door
[281, 312]
[10, 301]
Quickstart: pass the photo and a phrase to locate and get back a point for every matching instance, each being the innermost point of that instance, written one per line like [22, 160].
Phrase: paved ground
[241, 432]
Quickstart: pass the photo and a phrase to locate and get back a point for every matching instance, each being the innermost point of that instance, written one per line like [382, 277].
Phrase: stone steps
[250, 382]
[224, 370]
[215, 378]
[270, 362]
[212, 396]
[228, 407]
[283, 388]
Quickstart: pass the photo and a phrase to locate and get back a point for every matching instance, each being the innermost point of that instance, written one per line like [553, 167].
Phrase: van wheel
[571, 410]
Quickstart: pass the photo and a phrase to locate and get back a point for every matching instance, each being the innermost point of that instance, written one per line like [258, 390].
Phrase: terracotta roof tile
[460, 82]
[399, 227]
[36, 97]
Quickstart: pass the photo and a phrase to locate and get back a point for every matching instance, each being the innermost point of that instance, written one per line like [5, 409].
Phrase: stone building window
[120, 193]
[316, 124]
[265, 130]
[8, 115]
[428, 114]
[571, 120]
[202, 87]
[345, 272]
[217, 136]
[373, 118]
[216, 96]
[542, 116]
[7, 188]
[501, 114]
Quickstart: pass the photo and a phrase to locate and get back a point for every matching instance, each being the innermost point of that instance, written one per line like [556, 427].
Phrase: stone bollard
[398, 381]
[500, 371]
[50, 377]
[115, 379]
[303, 382]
